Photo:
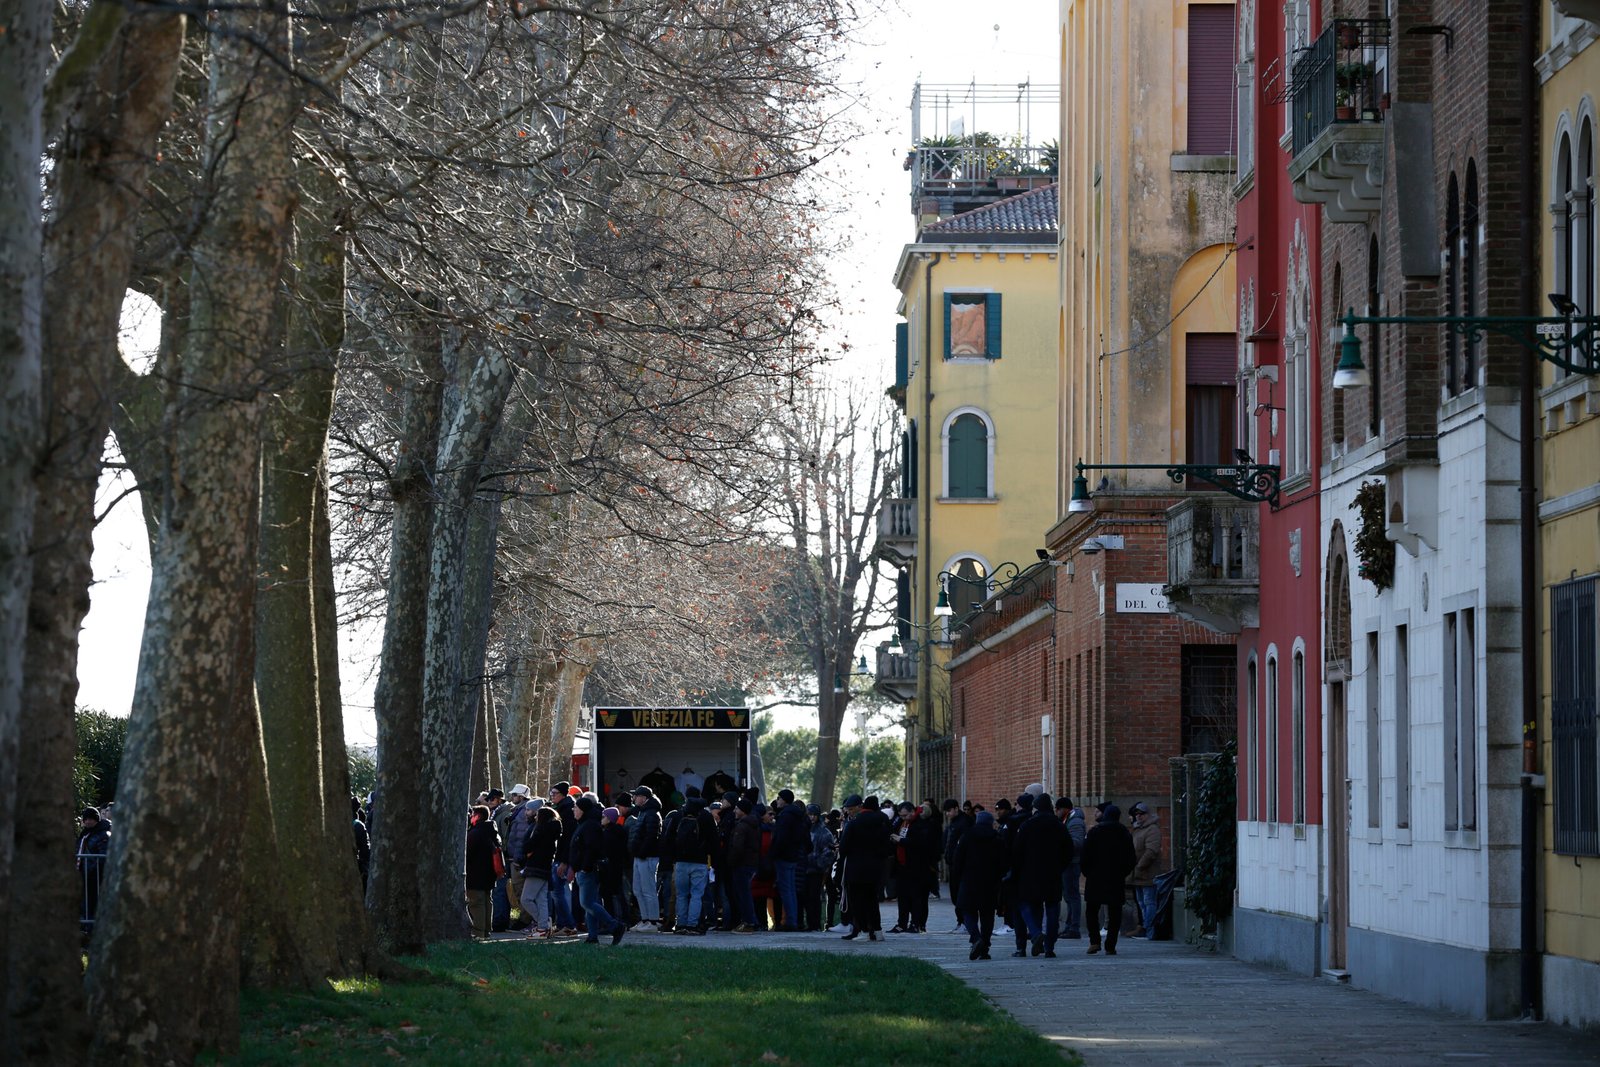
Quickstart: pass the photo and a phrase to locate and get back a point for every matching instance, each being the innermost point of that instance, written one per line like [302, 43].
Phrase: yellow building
[976, 380]
[1569, 514]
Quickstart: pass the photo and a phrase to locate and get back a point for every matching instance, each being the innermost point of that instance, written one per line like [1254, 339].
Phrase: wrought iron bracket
[1552, 338]
[1258, 483]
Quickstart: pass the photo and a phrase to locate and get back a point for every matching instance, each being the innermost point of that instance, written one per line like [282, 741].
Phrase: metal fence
[92, 869]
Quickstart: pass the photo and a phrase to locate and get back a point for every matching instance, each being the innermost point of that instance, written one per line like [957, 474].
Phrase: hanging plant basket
[1373, 548]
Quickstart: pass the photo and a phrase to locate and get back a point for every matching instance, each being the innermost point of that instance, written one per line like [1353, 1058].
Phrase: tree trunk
[447, 706]
[24, 57]
[194, 736]
[395, 892]
[567, 701]
[97, 186]
[830, 717]
[483, 527]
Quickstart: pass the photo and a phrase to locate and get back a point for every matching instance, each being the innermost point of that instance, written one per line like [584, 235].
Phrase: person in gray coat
[1071, 817]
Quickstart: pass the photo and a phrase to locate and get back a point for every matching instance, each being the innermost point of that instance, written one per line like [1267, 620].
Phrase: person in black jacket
[1041, 850]
[920, 875]
[791, 840]
[863, 845]
[483, 845]
[561, 889]
[616, 866]
[645, 848]
[1108, 859]
[537, 861]
[976, 868]
[957, 823]
[586, 854]
[693, 839]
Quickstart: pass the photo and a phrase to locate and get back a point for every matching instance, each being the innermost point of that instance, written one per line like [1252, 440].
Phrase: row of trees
[498, 320]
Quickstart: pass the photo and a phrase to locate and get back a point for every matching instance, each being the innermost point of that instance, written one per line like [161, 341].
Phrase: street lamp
[1554, 339]
[1254, 482]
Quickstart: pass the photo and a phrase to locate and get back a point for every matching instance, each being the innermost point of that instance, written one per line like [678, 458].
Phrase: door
[1338, 826]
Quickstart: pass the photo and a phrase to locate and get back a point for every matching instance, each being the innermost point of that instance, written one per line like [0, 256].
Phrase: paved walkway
[1173, 1005]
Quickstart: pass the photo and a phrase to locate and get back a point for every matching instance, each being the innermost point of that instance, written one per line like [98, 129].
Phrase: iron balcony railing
[945, 167]
[1341, 78]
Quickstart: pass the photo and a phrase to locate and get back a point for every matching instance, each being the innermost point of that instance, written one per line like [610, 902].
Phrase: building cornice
[909, 254]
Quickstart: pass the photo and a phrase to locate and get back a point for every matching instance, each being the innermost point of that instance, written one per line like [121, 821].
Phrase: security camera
[1043, 554]
[1090, 547]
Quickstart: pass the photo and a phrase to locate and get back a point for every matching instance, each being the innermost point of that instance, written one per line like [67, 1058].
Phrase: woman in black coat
[979, 864]
[483, 845]
[1108, 859]
[1041, 850]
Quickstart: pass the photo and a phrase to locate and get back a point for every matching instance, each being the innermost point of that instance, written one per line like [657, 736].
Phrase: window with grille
[1209, 697]
[1574, 775]
[1272, 738]
[1374, 735]
[1298, 736]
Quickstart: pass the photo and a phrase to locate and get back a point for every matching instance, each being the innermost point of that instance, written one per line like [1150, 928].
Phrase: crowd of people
[1034, 869]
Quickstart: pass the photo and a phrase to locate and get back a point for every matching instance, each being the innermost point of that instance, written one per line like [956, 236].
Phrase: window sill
[974, 360]
[1247, 182]
[1374, 835]
[1467, 839]
[1299, 831]
[1187, 163]
[967, 500]
[1402, 836]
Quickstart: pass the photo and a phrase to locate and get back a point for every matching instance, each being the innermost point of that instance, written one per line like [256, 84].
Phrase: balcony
[1338, 96]
[897, 530]
[1214, 562]
[897, 674]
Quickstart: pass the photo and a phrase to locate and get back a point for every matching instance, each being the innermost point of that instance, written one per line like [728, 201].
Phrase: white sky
[937, 41]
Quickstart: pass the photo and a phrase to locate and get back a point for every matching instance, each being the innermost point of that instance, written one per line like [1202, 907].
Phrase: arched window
[1452, 281]
[1252, 744]
[1272, 735]
[967, 586]
[968, 455]
[1297, 734]
[1469, 273]
[1582, 291]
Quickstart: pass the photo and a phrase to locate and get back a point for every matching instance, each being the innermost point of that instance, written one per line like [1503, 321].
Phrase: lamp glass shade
[942, 607]
[1081, 501]
[838, 683]
[1351, 373]
[861, 665]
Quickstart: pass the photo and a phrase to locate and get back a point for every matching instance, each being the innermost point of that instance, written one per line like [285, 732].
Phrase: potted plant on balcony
[1353, 83]
[1342, 110]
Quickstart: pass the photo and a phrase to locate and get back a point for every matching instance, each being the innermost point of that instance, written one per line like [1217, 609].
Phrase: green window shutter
[901, 354]
[991, 322]
[969, 458]
[947, 326]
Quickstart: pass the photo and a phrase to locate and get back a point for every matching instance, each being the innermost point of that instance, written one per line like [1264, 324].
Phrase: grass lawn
[637, 1006]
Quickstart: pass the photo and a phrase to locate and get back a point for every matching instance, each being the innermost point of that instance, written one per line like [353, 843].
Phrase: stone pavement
[1173, 1005]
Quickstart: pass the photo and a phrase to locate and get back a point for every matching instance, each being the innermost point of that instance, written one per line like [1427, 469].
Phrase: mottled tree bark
[103, 164]
[394, 891]
[24, 55]
[164, 977]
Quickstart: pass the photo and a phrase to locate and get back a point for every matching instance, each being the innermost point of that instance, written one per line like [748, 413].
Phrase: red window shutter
[1211, 359]
[1211, 80]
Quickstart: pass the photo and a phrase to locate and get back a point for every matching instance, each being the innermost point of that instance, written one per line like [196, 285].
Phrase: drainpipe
[925, 689]
[1528, 300]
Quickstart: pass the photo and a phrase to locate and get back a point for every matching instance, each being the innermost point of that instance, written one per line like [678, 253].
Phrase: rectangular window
[1044, 675]
[1460, 722]
[1575, 759]
[972, 326]
[1298, 736]
[1402, 728]
[1211, 80]
[1374, 735]
[1252, 745]
[1210, 391]
[1272, 739]
[1297, 385]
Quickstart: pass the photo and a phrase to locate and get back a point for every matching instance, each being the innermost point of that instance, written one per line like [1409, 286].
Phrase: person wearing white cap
[518, 827]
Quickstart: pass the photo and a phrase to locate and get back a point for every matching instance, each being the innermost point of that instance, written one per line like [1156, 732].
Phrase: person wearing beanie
[1071, 817]
[616, 866]
[587, 856]
[1108, 858]
[693, 838]
[94, 846]
[518, 827]
[644, 846]
[821, 851]
[979, 864]
[744, 859]
[1040, 850]
[864, 845]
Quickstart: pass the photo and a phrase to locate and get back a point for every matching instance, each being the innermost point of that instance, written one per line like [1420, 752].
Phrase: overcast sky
[938, 41]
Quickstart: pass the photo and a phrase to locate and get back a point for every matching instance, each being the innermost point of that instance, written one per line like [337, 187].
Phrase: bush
[1211, 869]
[101, 737]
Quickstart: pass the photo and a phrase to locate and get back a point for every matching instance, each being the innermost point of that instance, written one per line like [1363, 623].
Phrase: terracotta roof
[1033, 212]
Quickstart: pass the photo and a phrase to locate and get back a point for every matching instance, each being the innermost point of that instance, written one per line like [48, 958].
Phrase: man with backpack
[693, 839]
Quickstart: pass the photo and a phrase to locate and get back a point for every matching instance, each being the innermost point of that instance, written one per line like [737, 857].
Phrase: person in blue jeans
[791, 841]
[1072, 874]
[1147, 849]
[692, 838]
[586, 855]
[1040, 850]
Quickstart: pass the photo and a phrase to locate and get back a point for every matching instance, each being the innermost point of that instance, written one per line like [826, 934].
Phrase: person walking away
[537, 862]
[1021, 813]
[515, 836]
[863, 846]
[94, 848]
[1108, 859]
[717, 909]
[586, 855]
[485, 868]
[1147, 853]
[819, 862]
[744, 856]
[693, 840]
[1071, 817]
[957, 823]
[791, 840]
[1042, 850]
[976, 869]
[666, 870]
[644, 846]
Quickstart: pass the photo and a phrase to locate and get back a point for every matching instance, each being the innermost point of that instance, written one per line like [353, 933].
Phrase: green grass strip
[639, 1006]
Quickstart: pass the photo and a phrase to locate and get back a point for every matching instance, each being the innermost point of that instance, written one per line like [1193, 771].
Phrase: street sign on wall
[1139, 598]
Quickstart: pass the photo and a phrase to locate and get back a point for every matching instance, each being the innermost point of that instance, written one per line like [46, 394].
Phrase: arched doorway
[1336, 676]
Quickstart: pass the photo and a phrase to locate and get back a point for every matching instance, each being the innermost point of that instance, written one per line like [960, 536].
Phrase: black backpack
[686, 841]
